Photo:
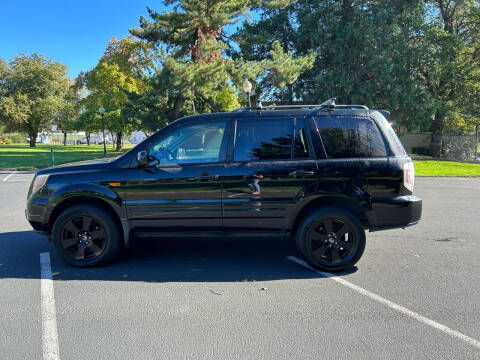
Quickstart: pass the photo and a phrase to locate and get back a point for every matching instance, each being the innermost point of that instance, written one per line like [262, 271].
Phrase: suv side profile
[320, 174]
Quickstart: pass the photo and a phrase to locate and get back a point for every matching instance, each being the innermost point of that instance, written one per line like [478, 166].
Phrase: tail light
[408, 175]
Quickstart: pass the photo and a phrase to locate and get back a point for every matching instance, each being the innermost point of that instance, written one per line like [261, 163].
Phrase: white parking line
[391, 304]
[8, 176]
[49, 317]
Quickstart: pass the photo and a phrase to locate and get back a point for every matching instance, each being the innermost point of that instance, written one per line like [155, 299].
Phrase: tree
[68, 113]
[121, 71]
[448, 65]
[197, 72]
[33, 90]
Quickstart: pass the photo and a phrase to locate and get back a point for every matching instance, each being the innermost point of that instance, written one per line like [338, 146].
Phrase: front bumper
[395, 212]
[35, 212]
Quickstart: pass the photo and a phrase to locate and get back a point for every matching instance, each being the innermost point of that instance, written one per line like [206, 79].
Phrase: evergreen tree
[196, 69]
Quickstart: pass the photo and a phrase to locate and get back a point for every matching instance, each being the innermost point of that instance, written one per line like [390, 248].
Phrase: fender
[85, 190]
[359, 205]
[90, 191]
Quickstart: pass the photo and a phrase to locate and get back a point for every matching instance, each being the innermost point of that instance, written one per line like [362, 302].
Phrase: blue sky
[74, 33]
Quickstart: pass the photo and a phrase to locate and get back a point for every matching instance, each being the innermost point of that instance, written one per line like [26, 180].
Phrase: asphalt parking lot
[415, 294]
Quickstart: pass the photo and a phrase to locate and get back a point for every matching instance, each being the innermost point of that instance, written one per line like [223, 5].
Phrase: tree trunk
[178, 105]
[87, 135]
[119, 141]
[33, 139]
[64, 139]
[437, 131]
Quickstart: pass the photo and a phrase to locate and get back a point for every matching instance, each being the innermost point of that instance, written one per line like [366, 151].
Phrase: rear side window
[350, 137]
[263, 139]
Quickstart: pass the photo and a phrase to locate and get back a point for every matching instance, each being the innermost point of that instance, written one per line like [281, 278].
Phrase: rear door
[271, 170]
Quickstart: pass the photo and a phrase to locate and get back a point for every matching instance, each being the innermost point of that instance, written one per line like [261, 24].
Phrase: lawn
[446, 168]
[22, 157]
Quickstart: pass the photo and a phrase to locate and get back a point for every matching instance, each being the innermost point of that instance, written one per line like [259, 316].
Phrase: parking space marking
[391, 304]
[8, 176]
[49, 317]
[19, 177]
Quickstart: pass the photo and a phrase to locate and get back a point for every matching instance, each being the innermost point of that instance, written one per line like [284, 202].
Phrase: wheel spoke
[320, 251]
[68, 243]
[80, 255]
[95, 249]
[342, 231]
[348, 245]
[335, 256]
[98, 234]
[70, 226]
[328, 225]
[86, 223]
[317, 236]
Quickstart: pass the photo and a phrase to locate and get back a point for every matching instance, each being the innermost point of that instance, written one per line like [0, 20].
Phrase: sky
[74, 33]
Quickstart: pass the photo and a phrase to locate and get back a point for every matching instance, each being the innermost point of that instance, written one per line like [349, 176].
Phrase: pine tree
[196, 69]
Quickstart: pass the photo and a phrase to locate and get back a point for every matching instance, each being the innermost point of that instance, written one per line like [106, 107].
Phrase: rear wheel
[331, 239]
[85, 235]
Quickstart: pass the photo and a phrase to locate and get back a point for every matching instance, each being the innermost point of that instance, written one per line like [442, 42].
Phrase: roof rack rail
[329, 104]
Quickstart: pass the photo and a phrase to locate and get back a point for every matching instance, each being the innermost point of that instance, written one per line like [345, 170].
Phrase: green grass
[22, 157]
[446, 168]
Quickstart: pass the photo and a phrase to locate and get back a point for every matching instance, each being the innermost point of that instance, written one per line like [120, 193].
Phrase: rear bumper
[395, 212]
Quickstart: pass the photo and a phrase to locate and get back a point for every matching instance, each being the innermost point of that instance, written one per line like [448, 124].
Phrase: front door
[271, 173]
[181, 189]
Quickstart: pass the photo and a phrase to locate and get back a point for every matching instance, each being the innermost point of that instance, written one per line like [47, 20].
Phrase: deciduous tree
[33, 91]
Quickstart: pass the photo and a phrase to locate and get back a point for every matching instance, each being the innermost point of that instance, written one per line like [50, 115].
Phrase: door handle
[205, 176]
[297, 173]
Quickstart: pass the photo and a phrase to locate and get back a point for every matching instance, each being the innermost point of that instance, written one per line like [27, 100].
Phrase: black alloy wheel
[331, 239]
[86, 235]
[83, 238]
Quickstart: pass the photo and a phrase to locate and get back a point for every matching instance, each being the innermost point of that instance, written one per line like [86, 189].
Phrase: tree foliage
[197, 72]
[32, 92]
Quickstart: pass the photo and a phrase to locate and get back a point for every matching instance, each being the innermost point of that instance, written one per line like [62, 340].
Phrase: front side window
[269, 139]
[350, 137]
[193, 143]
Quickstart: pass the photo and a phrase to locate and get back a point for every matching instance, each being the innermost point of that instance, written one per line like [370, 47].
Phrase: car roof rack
[329, 104]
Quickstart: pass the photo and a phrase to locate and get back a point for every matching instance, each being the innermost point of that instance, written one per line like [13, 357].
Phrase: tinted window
[193, 143]
[347, 137]
[395, 144]
[263, 139]
[300, 146]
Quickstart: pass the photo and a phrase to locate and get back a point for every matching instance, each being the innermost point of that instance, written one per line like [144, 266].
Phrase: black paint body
[216, 198]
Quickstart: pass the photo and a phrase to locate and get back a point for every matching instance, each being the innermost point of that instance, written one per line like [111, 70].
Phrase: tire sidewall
[113, 243]
[302, 241]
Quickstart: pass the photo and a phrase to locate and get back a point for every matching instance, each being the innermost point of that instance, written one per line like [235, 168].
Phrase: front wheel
[85, 235]
[331, 239]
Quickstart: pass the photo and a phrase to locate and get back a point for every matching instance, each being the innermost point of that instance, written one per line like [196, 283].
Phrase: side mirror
[143, 158]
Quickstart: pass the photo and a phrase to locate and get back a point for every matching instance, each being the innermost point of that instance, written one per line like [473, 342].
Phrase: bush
[7, 141]
[18, 138]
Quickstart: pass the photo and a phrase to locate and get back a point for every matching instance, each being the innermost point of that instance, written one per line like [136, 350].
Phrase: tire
[86, 236]
[330, 239]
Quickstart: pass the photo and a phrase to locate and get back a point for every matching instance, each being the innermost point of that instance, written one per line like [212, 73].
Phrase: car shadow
[225, 259]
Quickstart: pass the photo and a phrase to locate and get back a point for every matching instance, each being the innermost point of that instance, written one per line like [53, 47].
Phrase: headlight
[38, 182]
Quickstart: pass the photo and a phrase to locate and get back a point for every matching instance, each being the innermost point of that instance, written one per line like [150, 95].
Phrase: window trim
[307, 138]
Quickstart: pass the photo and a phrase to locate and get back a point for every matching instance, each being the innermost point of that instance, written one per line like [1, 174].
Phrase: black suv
[320, 174]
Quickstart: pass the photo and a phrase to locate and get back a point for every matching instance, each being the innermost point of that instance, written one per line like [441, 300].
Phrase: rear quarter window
[392, 138]
[350, 137]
